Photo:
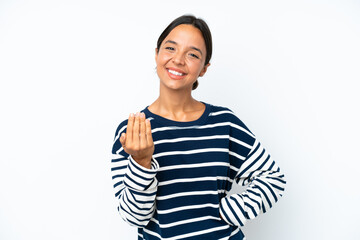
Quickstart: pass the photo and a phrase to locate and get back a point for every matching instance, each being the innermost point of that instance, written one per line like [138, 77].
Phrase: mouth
[176, 73]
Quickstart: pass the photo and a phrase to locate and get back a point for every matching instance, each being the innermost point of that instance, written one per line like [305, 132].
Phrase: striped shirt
[193, 168]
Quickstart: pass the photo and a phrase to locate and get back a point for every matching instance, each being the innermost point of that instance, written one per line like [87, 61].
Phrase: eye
[170, 48]
[194, 55]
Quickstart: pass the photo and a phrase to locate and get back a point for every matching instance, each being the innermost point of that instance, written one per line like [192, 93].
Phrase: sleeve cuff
[140, 178]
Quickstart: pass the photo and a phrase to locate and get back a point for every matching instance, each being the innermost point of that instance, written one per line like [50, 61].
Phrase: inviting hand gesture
[138, 140]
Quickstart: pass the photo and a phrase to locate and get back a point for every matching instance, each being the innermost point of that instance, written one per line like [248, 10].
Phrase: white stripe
[203, 127]
[192, 193]
[268, 193]
[242, 129]
[254, 146]
[145, 198]
[191, 220]
[120, 164]
[129, 215]
[191, 139]
[185, 139]
[251, 160]
[191, 234]
[117, 156]
[120, 149]
[171, 210]
[232, 234]
[195, 165]
[235, 232]
[199, 165]
[220, 112]
[237, 210]
[237, 155]
[183, 180]
[268, 163]
[224, 238]
[240, 142]
[118, 135]
[191, 152]
[192, 127]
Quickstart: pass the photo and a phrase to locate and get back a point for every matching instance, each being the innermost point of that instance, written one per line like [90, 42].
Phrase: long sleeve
[135, 186]
[265, 186]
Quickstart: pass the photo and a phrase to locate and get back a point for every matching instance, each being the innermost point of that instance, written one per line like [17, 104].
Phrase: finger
[136, 130]
[148, 132]
[130, 125]
[123, 140]
[143, 141]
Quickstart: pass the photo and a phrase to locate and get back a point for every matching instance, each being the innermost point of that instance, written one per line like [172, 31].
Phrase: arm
[135, 189]
[134, 181]
[265, 186]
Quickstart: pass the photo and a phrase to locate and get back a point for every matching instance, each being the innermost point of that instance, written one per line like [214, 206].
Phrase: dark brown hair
[199, 24]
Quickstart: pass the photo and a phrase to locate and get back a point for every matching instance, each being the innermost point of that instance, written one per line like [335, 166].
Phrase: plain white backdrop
[71, 71]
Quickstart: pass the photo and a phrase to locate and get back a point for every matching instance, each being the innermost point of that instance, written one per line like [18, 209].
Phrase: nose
[179, 58]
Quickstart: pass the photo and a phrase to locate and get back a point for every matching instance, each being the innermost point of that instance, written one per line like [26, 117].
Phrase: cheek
[163, 58]
[196, 67]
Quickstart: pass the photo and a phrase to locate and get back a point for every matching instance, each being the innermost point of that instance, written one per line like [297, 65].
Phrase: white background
[72, 70]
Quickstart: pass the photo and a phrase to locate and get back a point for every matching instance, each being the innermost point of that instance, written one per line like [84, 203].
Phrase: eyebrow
[192, 47]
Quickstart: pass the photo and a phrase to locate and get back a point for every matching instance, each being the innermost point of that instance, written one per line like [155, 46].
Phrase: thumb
[123, 139]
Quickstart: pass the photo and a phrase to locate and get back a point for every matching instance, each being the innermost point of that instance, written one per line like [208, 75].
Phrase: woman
[175, 162]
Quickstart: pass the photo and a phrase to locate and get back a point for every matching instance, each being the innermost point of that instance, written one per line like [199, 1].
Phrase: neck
[175, 101]
[176, 105]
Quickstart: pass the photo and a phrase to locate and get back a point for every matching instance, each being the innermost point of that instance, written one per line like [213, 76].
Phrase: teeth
[175, 72]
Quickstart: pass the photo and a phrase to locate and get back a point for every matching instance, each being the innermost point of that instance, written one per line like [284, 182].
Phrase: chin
[176, 87]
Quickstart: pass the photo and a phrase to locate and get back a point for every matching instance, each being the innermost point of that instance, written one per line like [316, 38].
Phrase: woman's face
[181, 58]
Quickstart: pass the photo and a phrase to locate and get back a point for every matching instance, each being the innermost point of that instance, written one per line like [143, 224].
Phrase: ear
[156, 54]
[203, 71]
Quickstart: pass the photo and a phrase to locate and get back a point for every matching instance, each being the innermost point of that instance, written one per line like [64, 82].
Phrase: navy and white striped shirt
[193, 168]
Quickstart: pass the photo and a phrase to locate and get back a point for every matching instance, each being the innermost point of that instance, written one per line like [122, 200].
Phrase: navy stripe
[225, 214]
[144, 220]
[115, 160]
[261, 166]
[142, 209]
[278, 179]
[117, 184]
[253, 200]
[118, 193]
[270, 189]
[118, 176]
[132, 180]
[263, 207]
[138, 214]
[252, 209]
[145, 194]
[277, 187]
[118, 168]
[142, 177]
[265, 195]
[272, 165]
[240, 208]
[252, 163]
[255, 150]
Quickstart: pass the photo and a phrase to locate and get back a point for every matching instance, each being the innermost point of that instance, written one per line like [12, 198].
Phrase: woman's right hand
[138, 141]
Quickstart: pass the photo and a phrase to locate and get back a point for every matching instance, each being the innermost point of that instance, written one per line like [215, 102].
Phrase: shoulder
[221, 113]
[121, 127]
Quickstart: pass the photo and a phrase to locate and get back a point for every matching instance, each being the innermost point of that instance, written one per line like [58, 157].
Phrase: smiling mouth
[175, 72]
